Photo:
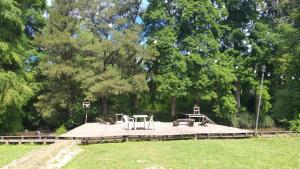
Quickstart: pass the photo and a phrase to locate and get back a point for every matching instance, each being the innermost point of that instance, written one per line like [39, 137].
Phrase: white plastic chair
[128, 122]
[196, 109]
[151, 123]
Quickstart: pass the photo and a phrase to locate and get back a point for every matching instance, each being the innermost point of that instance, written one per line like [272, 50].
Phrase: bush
[61, 130]
[295, 124]
[266, 122]
[244, 120]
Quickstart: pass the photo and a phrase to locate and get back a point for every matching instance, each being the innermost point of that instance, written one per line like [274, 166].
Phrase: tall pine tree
[115, 63]
[16, 79]
[59, 41]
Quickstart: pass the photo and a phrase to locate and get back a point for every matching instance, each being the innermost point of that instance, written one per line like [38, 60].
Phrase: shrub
[61, 130]
[266, 122]
[295, 124]
[244, 120]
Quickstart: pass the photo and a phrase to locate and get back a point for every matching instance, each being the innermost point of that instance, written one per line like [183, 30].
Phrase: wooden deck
[101, 133]
[163, 131]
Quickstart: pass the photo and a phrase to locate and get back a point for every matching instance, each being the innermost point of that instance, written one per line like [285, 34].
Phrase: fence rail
[111, 139]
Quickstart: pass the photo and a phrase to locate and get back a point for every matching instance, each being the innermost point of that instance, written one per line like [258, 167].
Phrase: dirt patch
[63, 157]
[41, 158]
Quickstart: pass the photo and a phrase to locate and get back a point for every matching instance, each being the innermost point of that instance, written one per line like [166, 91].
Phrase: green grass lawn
[275, 153]
[8, 153]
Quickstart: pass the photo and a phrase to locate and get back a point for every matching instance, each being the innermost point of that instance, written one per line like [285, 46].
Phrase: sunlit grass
[224, 154]
[8, 153]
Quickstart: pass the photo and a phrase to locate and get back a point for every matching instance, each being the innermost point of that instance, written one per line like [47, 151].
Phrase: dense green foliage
[215, 154]
[124, 57]
[295, 124]
[61, 130]
[59, 67]
[188, 45]
[89, 58]
[18, 20]
[286, 105]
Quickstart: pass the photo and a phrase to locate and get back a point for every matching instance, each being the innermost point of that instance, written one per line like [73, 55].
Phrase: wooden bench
[189, 122]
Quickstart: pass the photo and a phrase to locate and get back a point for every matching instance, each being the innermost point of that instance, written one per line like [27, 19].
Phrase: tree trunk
[104, 106]
[134, 103]
[69, 102]
[238, 96]
[173, 109]
[197, 99]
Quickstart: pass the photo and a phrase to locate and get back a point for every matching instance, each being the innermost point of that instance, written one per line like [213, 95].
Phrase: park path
[53, 156]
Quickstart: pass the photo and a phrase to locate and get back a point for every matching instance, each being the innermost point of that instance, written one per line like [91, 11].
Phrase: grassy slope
[8, 153]
[224, 154]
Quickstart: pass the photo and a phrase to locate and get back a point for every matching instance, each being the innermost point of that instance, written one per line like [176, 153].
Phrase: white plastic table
[139, 116]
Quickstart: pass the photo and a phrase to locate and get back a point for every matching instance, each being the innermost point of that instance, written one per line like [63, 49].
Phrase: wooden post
[20, 142]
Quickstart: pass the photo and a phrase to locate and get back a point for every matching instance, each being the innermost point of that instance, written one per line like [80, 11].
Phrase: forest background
[158, 57]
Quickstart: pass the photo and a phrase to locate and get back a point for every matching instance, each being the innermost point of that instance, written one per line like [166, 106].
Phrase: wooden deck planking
[161, 129]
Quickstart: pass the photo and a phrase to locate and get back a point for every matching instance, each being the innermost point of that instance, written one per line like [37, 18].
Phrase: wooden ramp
[212, 122]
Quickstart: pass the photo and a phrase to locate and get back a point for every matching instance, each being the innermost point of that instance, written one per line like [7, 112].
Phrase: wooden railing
[89, 140]
[27, 139]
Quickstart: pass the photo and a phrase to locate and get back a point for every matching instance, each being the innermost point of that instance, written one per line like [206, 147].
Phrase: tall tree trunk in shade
[197, 99]
[69, 102]
[104, 105]
[173, 108]
[134, 103]
[238, 96]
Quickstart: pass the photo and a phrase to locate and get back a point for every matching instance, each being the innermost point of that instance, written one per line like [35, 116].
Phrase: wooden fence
[112, 139]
